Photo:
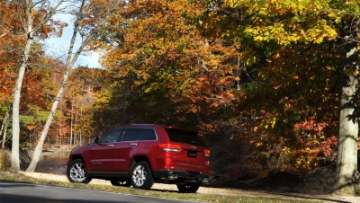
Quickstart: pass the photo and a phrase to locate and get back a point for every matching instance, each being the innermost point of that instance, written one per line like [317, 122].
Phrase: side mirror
[97, 140]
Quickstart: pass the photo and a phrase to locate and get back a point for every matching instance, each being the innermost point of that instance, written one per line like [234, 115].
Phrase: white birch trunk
[38, 149]
[15, 159]
[71, 59]
[30, 30]
[348, 134]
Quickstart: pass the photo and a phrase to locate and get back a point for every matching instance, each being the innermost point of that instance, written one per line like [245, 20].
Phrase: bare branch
[42, 2]
[3, 35]
[48, 16]
[81, 48]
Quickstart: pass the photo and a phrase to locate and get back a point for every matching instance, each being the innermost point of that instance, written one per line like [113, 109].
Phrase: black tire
[187, 187]
[120, 182]
[144, 181]
[70, 173]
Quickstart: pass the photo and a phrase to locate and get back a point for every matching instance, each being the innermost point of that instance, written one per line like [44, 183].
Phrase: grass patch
[212, 198]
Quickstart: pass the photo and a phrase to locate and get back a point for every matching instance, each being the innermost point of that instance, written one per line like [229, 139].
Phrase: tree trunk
[4, 134]
[3, 124]
[71, 123]
[71, 59]
[30, 30]
[15, 157]
[348, 134]
[15, 160]
[80, 133]
[59, 137]
[74, 127]
[38, 149]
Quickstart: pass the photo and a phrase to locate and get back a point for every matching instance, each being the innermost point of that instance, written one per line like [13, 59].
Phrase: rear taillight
[170, 148]
[207, 152]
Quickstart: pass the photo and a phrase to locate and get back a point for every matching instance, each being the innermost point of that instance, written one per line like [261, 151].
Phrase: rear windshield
[182, 136]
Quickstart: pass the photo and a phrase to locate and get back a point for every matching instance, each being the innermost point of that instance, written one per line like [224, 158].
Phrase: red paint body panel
[162, 154]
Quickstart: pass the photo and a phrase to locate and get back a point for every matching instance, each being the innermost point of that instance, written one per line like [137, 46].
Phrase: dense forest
[270, 85]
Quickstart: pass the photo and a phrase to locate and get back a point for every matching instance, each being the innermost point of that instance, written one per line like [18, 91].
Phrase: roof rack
[142, 124]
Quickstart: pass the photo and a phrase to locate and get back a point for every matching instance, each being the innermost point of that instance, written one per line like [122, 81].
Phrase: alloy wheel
[77, 172]
[139, 175]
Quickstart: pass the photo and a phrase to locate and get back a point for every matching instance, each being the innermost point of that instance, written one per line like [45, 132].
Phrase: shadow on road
[6, 184]
[164, 190]
[11, 198]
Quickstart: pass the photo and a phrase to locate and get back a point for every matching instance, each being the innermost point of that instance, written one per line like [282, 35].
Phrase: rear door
[192, 156]
[136, 141]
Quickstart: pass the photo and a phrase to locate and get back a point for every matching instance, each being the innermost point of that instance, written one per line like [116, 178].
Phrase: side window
[130, 135]
[111, 136]
[134, 134]
[146, 134]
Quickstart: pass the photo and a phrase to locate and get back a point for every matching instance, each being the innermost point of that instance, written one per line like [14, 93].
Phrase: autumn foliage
[260, 74]
[260, 80]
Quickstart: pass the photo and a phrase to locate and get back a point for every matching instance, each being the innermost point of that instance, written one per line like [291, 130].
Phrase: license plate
[192, 153]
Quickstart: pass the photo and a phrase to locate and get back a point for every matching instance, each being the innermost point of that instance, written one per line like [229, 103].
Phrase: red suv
[142, 154]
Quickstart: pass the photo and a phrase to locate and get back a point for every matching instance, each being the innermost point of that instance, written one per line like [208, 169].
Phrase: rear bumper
[168, 176]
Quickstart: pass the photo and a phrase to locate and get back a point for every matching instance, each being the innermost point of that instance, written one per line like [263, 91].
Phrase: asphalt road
[28, 193]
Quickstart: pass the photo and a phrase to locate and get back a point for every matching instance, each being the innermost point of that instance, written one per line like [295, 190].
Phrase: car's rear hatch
[193, 155]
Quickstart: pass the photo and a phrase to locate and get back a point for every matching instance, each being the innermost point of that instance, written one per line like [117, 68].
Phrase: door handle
[111, 145]
[133, 144]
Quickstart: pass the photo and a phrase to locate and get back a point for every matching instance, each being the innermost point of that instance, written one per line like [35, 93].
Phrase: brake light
[170, 148]
[207, 152]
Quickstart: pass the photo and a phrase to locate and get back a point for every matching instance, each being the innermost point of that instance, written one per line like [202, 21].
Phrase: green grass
[212, 198]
